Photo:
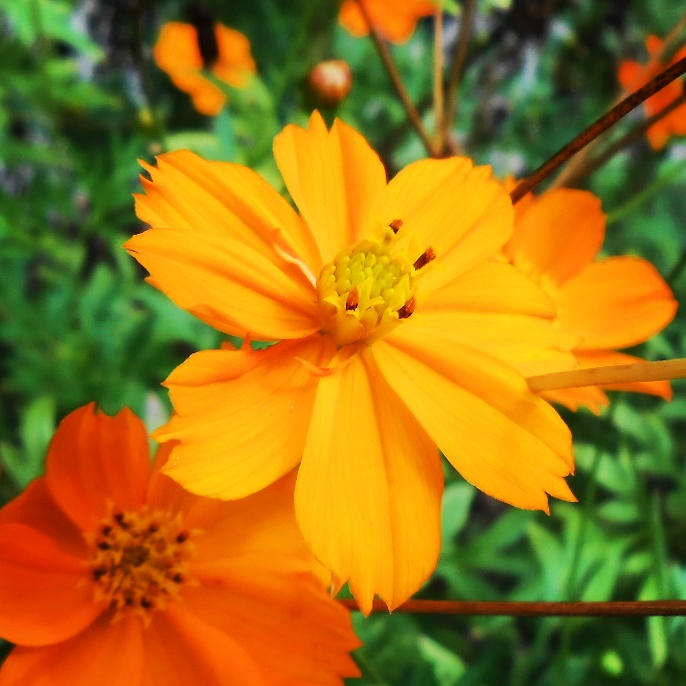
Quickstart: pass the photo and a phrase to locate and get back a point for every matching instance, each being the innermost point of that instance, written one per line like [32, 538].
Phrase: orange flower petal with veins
[394, 19]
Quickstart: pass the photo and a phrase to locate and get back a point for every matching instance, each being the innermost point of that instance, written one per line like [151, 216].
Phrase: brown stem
[438, 79]
[637, 132]
[594, 130]
[611, 374]
[616, 608]
[396, 80]
[451, 104]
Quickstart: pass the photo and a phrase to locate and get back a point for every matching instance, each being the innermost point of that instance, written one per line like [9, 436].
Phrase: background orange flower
[111, 574]
[633, 75]
[394, 19]
[177, 52]
[611, 303]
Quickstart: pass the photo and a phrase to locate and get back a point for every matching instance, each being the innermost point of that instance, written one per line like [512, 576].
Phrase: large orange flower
[605, 304]
[395, 326]
[394, 19]
[633, 75]
[177, 52]
[111, 574]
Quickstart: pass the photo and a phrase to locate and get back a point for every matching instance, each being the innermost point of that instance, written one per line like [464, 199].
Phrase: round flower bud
[330, 82]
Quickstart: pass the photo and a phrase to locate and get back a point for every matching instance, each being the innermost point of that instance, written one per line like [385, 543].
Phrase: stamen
[395, 225]
[407, 309]
[353, 300]
[427, 256]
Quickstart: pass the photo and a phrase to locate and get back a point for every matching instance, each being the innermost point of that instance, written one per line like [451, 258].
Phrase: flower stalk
[615, 374]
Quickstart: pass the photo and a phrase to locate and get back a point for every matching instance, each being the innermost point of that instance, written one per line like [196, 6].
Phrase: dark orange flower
[605, 304]
[394, 325]
[177, 52]
[633, 75]
[111, 574]
[394, 19]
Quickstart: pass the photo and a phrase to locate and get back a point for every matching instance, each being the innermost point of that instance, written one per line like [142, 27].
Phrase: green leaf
[457, 499]
[448, 667]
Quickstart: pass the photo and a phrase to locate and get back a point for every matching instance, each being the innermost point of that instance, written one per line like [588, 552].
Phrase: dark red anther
[407, 309]
[352, 301]
[427, 256]
[182, 537]
[395, 225]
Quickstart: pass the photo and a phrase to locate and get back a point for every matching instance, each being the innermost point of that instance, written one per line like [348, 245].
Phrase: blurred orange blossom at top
[394, 321]
[632, 75]
[395, 20]
[177, 52]
[112, 575]
[616, 302]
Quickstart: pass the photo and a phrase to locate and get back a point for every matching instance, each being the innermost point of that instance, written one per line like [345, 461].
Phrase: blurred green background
[81, 100]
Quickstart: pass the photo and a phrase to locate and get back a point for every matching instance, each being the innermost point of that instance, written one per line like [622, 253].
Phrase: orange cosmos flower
[393, 321]
[177, 52]
[605, 304]
[633, 75]
[394, 19]
[111, 574]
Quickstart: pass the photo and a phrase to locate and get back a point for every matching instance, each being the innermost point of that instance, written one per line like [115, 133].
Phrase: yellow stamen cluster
[140, 560]
[363, 291]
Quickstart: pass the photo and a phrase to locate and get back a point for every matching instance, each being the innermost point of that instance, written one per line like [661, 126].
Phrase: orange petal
[291, 627]
[631, 75]
[395, 21]
[591, 397]
[95, 460]
[181, 649]
[224, 199]
[239, 432]
[235, 62]
[45, 594]
[501, 437]
[228, 285]
[451, 206]
[106, 653]
[368, 492]
[616, 303]
[334, 177]
[601, 358]
[491, 287]
[561, 232]
[36, 508]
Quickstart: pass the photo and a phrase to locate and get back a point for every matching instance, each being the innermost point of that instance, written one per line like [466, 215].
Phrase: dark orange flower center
[367, 290]
[140, 560]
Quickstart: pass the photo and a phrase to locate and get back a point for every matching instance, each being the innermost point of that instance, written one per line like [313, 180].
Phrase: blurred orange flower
[616, 302]
[633, 75]
[394, 322]
[111, 574]
[394, 19]
[177, 52]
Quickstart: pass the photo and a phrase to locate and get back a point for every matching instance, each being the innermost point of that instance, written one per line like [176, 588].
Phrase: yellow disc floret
[363, 292]
[140, 560]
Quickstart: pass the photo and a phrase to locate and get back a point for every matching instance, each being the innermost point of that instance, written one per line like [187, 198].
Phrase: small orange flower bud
[330, 82]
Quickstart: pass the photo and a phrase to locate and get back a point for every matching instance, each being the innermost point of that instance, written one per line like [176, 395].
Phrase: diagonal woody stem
[594, 130]
[396, 80]
[613, 374]
[617, 608]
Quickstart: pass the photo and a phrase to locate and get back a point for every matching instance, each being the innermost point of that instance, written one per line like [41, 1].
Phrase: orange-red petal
[394, 19]
[368, 490]
[181, 649]
[560, 233]
[241, 416]
[36, 508]
[334, 177]
[45, 595]
[615, 303]
[106, 654]
[288, 625]
[501, 437]
[449, 205]
[95, 460]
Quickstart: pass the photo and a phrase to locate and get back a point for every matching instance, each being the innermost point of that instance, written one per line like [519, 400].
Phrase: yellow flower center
[140, 560]
[367, 290]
